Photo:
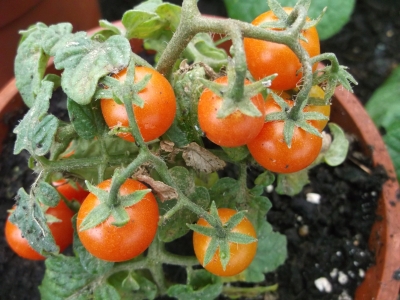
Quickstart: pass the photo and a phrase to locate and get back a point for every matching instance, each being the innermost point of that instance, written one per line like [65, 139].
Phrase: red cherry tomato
[235, 130]
[241, 255]
[71, 191]
[266, 58]
[158, 111]
[112, 243]
[62, 232]
[270, 150]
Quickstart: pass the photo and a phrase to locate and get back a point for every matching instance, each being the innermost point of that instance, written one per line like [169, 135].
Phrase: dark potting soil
[326, 240]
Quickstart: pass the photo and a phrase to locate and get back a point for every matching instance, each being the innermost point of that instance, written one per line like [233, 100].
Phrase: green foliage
[31, 220]
[336, 16]
[180, 167]
[384, 109]
[202, 285]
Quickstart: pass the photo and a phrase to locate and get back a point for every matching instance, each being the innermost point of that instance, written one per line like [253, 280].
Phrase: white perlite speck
[313, 198]
[334, 273]
[343, 278]
[344, 296]
[323, 285]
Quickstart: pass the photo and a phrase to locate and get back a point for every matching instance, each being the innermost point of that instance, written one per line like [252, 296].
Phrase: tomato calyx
[106, 208]
[291, 121]
[286, 19]
[221, 235]
[235, 99]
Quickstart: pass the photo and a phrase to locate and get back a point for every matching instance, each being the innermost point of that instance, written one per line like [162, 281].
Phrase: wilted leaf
[160, 189]
[201, 159]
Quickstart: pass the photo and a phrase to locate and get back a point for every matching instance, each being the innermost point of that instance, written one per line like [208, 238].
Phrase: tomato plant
[157, 113]
[112, 243]
[61, 229]
[241, 255]
[270, 150]
[265, 58]
[234, 130]
[161, 125]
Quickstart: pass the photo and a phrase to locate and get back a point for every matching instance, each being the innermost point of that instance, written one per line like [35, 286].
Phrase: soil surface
[326, 240]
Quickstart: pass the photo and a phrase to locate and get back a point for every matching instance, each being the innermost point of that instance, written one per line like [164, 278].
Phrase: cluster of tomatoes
[264, 140]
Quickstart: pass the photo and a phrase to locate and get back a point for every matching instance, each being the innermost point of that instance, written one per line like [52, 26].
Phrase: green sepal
[120, 215]
[95, 217]
[131, 199]
[211, 249]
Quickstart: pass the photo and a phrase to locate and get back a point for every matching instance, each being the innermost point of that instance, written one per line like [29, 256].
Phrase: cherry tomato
[71, 191]
[241, 255]
[158, 111]
[62, 232]
[112, 243]
[317, 92]
[265, 58]
[270, 150]
[235, 130]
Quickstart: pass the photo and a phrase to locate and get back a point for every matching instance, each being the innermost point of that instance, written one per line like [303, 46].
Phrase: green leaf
[271, 253]
[132, 285]
[30, 64]
[203, 49]
[237, 153]
[47, 194]
[36, 131]
[87, 119]
[85, 61]
[31, 220]
[339, 147]
[90, 263]
[392, 141]
[63, 278]
[245, 10]
[225, 192]
[55, 36]
[96, 216]
[183, 179]
[291, 184]
[150, 18]
[384, 106]
[106, 292]
[265, 179]
[202, 285]
[336, 16]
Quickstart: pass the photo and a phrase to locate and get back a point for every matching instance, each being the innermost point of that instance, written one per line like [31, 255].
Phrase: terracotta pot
[16, 15]
[348, 112]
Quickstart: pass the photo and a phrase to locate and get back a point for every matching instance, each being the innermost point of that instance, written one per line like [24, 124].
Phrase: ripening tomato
[325, 109]
[241, 255]
[62, 232]
[111, 243]
[158, 111]
[71, 191]
[270, 150]
[235, 130]
[266, 58]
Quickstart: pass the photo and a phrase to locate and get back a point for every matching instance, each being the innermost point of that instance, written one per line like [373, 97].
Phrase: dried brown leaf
[163, 191]
[201, 159]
